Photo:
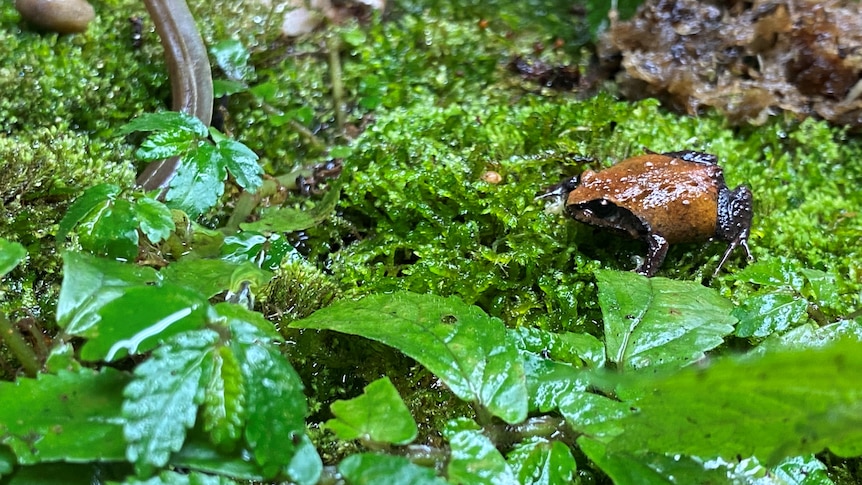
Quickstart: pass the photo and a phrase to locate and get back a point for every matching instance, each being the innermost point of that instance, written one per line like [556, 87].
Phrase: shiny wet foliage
[427, 319]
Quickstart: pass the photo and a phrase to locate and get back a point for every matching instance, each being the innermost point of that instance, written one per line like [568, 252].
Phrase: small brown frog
[663, 199]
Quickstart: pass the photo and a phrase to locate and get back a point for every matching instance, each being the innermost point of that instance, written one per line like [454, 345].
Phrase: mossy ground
[434, 106]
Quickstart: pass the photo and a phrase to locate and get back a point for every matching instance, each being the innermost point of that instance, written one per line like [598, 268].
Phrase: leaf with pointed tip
[474, 458]
[276, 405]
[162, 401]
[165, 121]
[539, 461]
[155, 219]
[378, 415]
[468, 350]
[652, 322]
[223, 411]
[199, 181]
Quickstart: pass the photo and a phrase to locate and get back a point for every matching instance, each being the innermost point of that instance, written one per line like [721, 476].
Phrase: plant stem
[333, 45]
[19, 347]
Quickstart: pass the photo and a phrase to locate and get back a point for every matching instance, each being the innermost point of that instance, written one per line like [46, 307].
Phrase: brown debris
[749, 60]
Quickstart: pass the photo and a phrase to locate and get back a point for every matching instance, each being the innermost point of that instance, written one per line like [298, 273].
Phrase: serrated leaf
[463, 346]
[773, 272]
[155, 219]
[162, 401]
[474, 458]
[199, 181]
[762, 315]
[378, 415]
[224, 400]
[165, 144]
[91, 198]
[140, 319]
[783, 404]
[11, 253]
[241, 162]
[111, 230]
[274, 399]
[67, 416]
[539, 461]
[165, 121]
[651, 322]
[810, 336]
[89, 283]
[372, 469]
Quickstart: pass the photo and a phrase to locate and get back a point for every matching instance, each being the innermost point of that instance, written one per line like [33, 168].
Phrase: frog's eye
[602, 208]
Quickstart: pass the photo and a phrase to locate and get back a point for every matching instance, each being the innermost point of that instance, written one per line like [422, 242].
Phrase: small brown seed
[62, 16]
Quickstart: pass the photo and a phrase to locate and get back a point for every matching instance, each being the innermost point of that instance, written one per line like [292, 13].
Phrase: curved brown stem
[190, 73]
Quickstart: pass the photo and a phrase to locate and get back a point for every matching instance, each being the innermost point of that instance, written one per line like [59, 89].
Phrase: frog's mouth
[604, 213]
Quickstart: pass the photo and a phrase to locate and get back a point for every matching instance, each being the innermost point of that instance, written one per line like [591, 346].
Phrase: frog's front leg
[734, 220]
[656, 251]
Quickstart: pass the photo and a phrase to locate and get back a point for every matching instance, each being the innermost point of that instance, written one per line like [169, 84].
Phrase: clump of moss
[297, 290]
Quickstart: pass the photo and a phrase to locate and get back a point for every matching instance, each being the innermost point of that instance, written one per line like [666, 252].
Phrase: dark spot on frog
[663, 199]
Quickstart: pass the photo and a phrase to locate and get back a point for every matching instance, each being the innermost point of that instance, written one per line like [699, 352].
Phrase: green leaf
[210, 277]
[653, 322]
[60, 473]
[67, 416]
[223, 411]
[165, 121]
[11, 253]
[773, 272]
[579, 349]
[620, 467]
[274, 399]
[162, 401]
[166, 144]
[287, 219]
[89, 283]
[474, 459]
[548, 381]
[306, 466]
[802, 470]
[267, 252]
[111, 230]
[281, 219]
[538, 461]
[378, 415]
[199, 181]
[141, 318]
[783, 404]
[7, 461]
[593, 414]
[372, 469]
[226, 87]
[762, 315]
[175, 478]
[464, 347]
[93, 197]
[241, 162]
[810, 336]
[232, 57]
[155, 218]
